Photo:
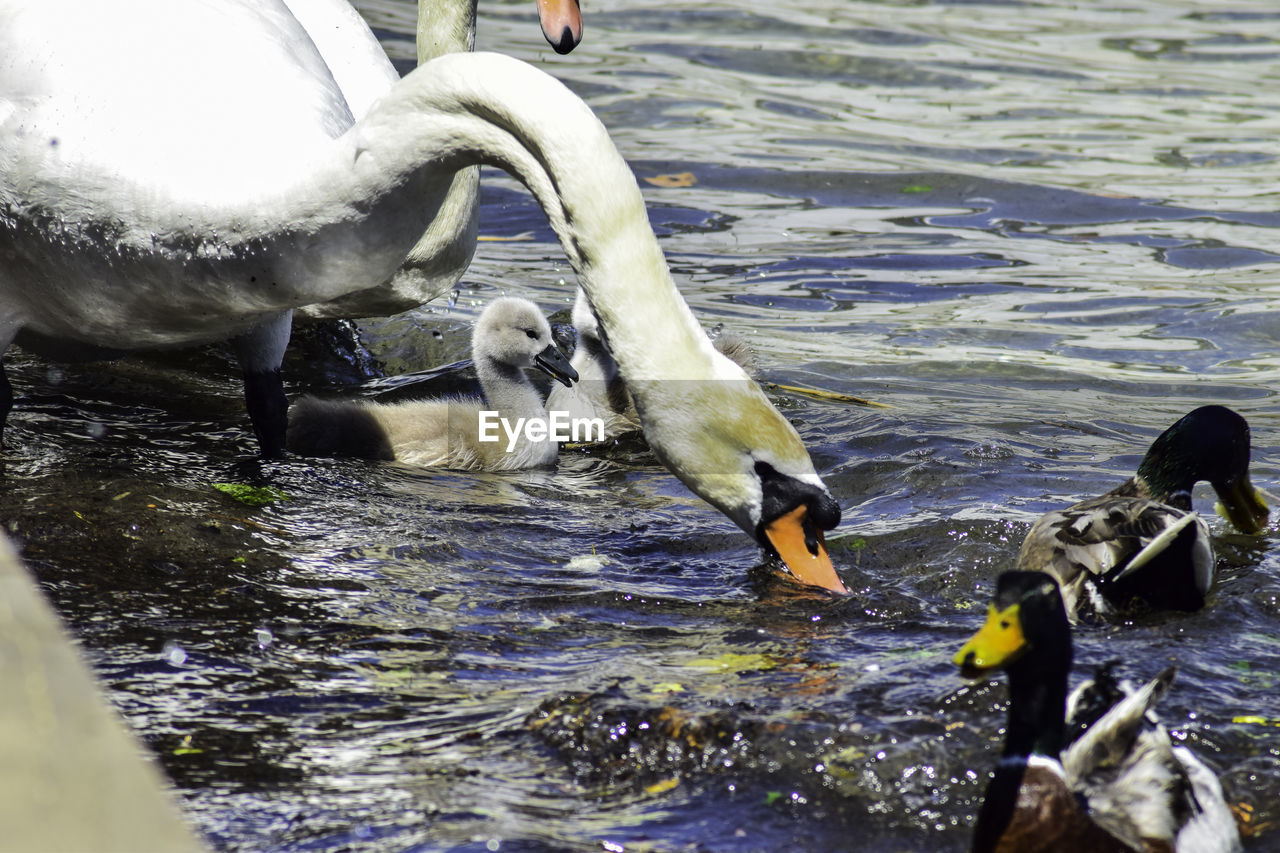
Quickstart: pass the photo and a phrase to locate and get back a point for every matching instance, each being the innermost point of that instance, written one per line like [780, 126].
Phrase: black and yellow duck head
[1210, 444]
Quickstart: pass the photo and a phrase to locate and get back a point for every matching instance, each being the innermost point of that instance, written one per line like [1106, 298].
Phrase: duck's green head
[1025, 620]
[1211, 444]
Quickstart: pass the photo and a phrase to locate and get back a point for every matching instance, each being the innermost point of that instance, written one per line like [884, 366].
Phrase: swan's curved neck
[465, 109]
[445, 26]
[350, 221]
[445, 250]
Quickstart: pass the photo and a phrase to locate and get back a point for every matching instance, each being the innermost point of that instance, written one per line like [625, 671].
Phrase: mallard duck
[510, 336]
[137, 213]
[1142, 540]
[1107, 778]
[600, 391]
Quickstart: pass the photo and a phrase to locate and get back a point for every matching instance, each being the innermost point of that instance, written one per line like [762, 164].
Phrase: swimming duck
[510, 336]
[1141, 540]
[138, 211]
[600, 391]
[1094, 773]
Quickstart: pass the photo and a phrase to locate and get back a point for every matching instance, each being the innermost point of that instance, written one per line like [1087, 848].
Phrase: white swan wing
[350, 50]
[142, 91]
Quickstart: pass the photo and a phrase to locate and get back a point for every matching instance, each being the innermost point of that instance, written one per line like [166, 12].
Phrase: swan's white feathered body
[145, 161]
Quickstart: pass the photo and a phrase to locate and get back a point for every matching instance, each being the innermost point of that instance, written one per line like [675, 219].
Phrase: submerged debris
[608, 743]
[254, 496]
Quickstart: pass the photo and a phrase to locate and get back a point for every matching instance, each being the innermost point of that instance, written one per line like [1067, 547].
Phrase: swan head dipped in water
[727, 442]
[769, 490]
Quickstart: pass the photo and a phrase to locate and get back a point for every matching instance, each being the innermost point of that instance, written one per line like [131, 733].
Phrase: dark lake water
[1037, 233]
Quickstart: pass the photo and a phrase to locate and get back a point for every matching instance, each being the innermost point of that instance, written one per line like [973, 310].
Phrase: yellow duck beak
[795, 545]
[1242, 505]
[998, 643]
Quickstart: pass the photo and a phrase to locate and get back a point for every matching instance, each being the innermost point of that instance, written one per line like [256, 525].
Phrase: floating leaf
[917, 188]
[772, 797]
[731, 662]
[668, 687]
[251, 495]
[186, 748]
[1255, 720]
[661, 787]
[848, 541]
[678, 179]
[848, 755]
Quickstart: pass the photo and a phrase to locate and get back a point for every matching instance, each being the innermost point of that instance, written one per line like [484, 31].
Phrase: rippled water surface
[1037, 232]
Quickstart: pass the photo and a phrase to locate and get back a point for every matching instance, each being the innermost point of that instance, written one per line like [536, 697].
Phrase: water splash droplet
[174, 654]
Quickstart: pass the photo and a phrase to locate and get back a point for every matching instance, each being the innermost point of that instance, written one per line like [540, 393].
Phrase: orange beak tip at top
[561, 22]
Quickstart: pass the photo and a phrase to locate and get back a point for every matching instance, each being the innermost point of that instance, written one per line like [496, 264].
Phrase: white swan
[600, 391]
[510, 335]
[153, 193]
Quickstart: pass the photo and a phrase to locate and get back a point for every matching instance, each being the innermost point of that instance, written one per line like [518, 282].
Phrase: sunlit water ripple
[1038, 233]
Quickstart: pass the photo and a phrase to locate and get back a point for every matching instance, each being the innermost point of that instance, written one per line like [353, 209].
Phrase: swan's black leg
[261, 350]
[268, 410]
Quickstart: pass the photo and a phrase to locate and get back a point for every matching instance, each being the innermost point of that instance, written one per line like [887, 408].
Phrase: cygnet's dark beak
[561, 22]
[553, 363]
